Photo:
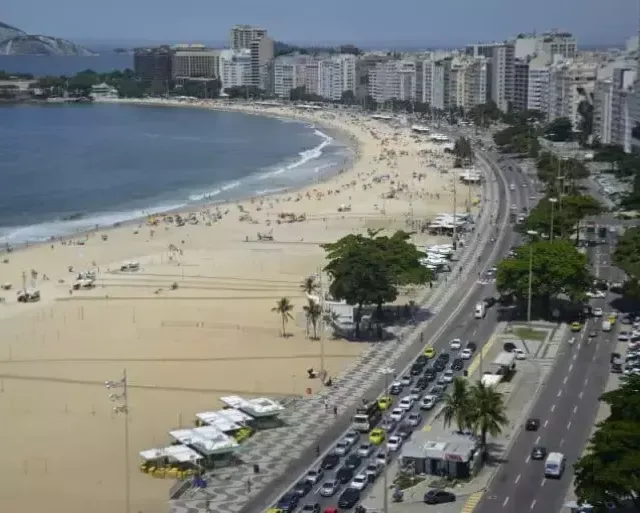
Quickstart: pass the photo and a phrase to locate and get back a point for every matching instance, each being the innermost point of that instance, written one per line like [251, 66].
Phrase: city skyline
[593, 22]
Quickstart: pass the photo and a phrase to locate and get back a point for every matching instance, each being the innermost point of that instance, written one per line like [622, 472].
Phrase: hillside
[41, 45]
[9, 32]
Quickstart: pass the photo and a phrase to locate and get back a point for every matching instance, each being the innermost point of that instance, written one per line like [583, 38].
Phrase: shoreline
[335, 133]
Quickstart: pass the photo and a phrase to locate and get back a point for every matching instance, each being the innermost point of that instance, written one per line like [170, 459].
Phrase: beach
[193, 322]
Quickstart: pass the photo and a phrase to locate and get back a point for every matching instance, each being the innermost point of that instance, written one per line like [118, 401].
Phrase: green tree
[313, 312]
[457, 405]
[309, 285]
[558, 268]
[578, 207]
[539, 219]
[487, 413]
[627, 257]
[560, 130]
[283, 308]
[462, 150]
[347, 97]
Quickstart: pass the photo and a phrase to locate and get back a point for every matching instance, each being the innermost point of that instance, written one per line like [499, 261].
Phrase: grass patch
[404, 481]
[526, 333]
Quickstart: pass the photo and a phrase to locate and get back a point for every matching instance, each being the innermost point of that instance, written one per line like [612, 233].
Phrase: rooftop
[179, 453]
[224, 420]
[450, 446]
[207, 439]
[259, 407]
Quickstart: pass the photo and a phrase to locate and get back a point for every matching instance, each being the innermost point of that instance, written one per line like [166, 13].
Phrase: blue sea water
[67, 168]
[41, 65]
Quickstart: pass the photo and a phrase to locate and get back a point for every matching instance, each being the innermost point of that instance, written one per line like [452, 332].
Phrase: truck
[606, 325]
[367, 416]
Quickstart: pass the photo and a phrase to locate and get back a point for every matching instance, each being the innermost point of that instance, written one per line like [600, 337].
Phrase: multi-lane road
[457, 322]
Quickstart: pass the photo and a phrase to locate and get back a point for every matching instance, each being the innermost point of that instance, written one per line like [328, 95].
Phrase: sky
[439, 23]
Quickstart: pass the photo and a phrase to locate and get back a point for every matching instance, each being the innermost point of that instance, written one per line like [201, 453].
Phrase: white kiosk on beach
[231, 422]
[263, 410]
[216, 447]
[175, 461]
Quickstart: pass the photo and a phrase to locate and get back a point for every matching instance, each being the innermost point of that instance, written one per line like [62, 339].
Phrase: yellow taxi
[429, 352]
[576, 326]
[377, 436]
[612, 318]
[385, 402]
[275, 510]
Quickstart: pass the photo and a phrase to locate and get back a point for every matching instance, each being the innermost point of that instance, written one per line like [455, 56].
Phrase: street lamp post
[387, 371]
[532, 234]
[553, 202]
[121, 405]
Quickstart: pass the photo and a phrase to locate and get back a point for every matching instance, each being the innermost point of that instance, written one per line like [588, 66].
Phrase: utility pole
[455, 223]
[385, 476]
[321, 284]
[121, 405]
[531, 234]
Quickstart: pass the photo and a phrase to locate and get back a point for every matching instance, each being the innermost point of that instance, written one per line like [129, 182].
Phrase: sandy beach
[192, 324]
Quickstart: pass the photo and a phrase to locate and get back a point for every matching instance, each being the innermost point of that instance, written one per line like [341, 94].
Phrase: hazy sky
[429, 22]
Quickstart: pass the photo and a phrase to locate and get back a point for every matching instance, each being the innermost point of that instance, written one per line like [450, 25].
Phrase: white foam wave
[305, 156]
[264, 192]
[215, 192]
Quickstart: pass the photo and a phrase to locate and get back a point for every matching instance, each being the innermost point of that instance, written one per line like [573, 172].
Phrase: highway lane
[467, 328]
[566, 408]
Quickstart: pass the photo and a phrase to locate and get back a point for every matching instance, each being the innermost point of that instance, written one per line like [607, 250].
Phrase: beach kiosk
[175, 462]
[213, 444]
[231, 422]
[264, 411]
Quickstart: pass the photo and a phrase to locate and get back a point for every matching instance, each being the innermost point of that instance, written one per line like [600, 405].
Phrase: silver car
[342, 448]
[364, 450]
[329, 488]
[314, 475]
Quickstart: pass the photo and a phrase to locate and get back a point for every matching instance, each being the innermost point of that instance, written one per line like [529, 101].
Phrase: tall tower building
[242, 36]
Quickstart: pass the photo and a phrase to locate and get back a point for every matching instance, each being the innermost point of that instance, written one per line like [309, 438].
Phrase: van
[606, 325]
[554, 465]
[480, 310]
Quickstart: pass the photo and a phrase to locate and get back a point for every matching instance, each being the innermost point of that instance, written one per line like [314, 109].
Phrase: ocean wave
[265, 192]
[305, 156]
[215, 192]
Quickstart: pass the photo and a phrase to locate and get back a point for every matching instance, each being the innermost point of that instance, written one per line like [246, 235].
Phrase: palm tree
[456, 405]
[487, 413]
[309, 285]
[283, 308]
[313, 311]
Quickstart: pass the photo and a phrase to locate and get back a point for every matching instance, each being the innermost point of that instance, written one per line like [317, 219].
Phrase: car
[396, 387]
[359, 482]
[414, 419]
[457, 364]
[406, 381]
[532, 424]
[394, 443]
[364, 450]
[624, 336]
[597, 312]
[302, 488]
[448, 376]
[342, 448]
[397, 414]
[593, 334]
[538, 453]
[377, 436]
[466, 354]
[388, 424]
[348, 498]
[422, 360]
[520, 354]
[385, 402]
[404, 431]
[416, 369]
[329, 488]
[406, 403]
[344, 474]
[415, 393]
[352, 437]
[330, 461]
[438, 497]
[430, 374]
[373, 469]
[311, 507]
[489, 301]
[353, 461]
[509, 347]
[438, 391]
[444, 356]
[382, 457]
[428, 402]
[314, 476]
[423, 382]
[288, 502]
[576, 326]
[455, 344]
[441, 381]
[440, 365]
[430, 352]
[471, 346]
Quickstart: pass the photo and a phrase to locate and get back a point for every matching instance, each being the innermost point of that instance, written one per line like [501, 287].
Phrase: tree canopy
[627, 257]
[609, 471]
[559, 130]
[521, 138]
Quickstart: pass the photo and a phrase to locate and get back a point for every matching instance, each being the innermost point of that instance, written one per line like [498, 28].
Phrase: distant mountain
[42, 45]
[9, 32]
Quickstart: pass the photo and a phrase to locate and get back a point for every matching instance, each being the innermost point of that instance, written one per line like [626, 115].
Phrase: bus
[367, 416]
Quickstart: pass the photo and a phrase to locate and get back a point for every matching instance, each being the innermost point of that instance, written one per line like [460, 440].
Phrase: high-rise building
[476, 83]
[502, 74]
[538, 84]
[152, 65]
[242, 36]
[194, 61]
[393, 80]
[570, 82]
[289, 72]
[262, 51]
[611, 108]
[557, 43]
[520, 85]
[363, 66]
[235, 68]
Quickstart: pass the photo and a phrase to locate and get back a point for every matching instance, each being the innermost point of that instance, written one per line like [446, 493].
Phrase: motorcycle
[397, 496]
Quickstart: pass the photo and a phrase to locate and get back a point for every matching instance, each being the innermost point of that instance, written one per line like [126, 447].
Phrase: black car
[430, 374]
[422, 360]
[438, 497]
[288, 502]
[404, 431]
[395, 389]
[445, 357]
[416, 369]
[348, 498]
[330, 461]
[457, 364]
[302, 488]
[422, 383]
[509, 347]
[353, 461]
[533, 424]
[440, 365]
[437, 391]
[344, 475]
[471, 346]
[538, 453]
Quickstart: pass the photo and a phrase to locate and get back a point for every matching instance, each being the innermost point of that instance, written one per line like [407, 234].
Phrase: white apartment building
[194, 61]
[457, 84]
[476, 83]
[393, 80]
[241, 36]
[552, 43]
[235, 68]
[570, 82]
[439, 84]
[502, 74]
[612, 108]
[538, 83]
[262, 52]
[289, 72]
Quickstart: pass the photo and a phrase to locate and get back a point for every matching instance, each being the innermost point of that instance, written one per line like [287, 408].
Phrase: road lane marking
[553, 407]
[472, 502]
[542, 483]
[518, 478]
[561, 442]
[427, 428]
[570, 367]
[580, 395]
[575, 409]
[564, 381]
[533, 504]
[537, 441]
[586, 380]
[575, 357]
[546, 422]
[527, 460]
[559, 393]
[505, 502]
[569, 425]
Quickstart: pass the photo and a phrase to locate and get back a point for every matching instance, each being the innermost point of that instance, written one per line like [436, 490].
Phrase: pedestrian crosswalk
[472, 502]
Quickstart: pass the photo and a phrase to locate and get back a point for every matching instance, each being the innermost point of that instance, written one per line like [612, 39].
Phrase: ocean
[68, 168]
[41, 65]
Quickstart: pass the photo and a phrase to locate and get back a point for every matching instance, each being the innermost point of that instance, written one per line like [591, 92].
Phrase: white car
[365, 449]
[359, 482]
[352, 437]
[373, 469]
[406, 381]
[329, 488]
[597, 312]
[414, 419]
[382, 457]
[397, 414]
[447, 376]
[596, 294]
[314, 476]
[428, 402]
[455, 344]
[406, 403]
[341, 448]
[415, 394]
[394, 443]
[466, 354]
[520, 354]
